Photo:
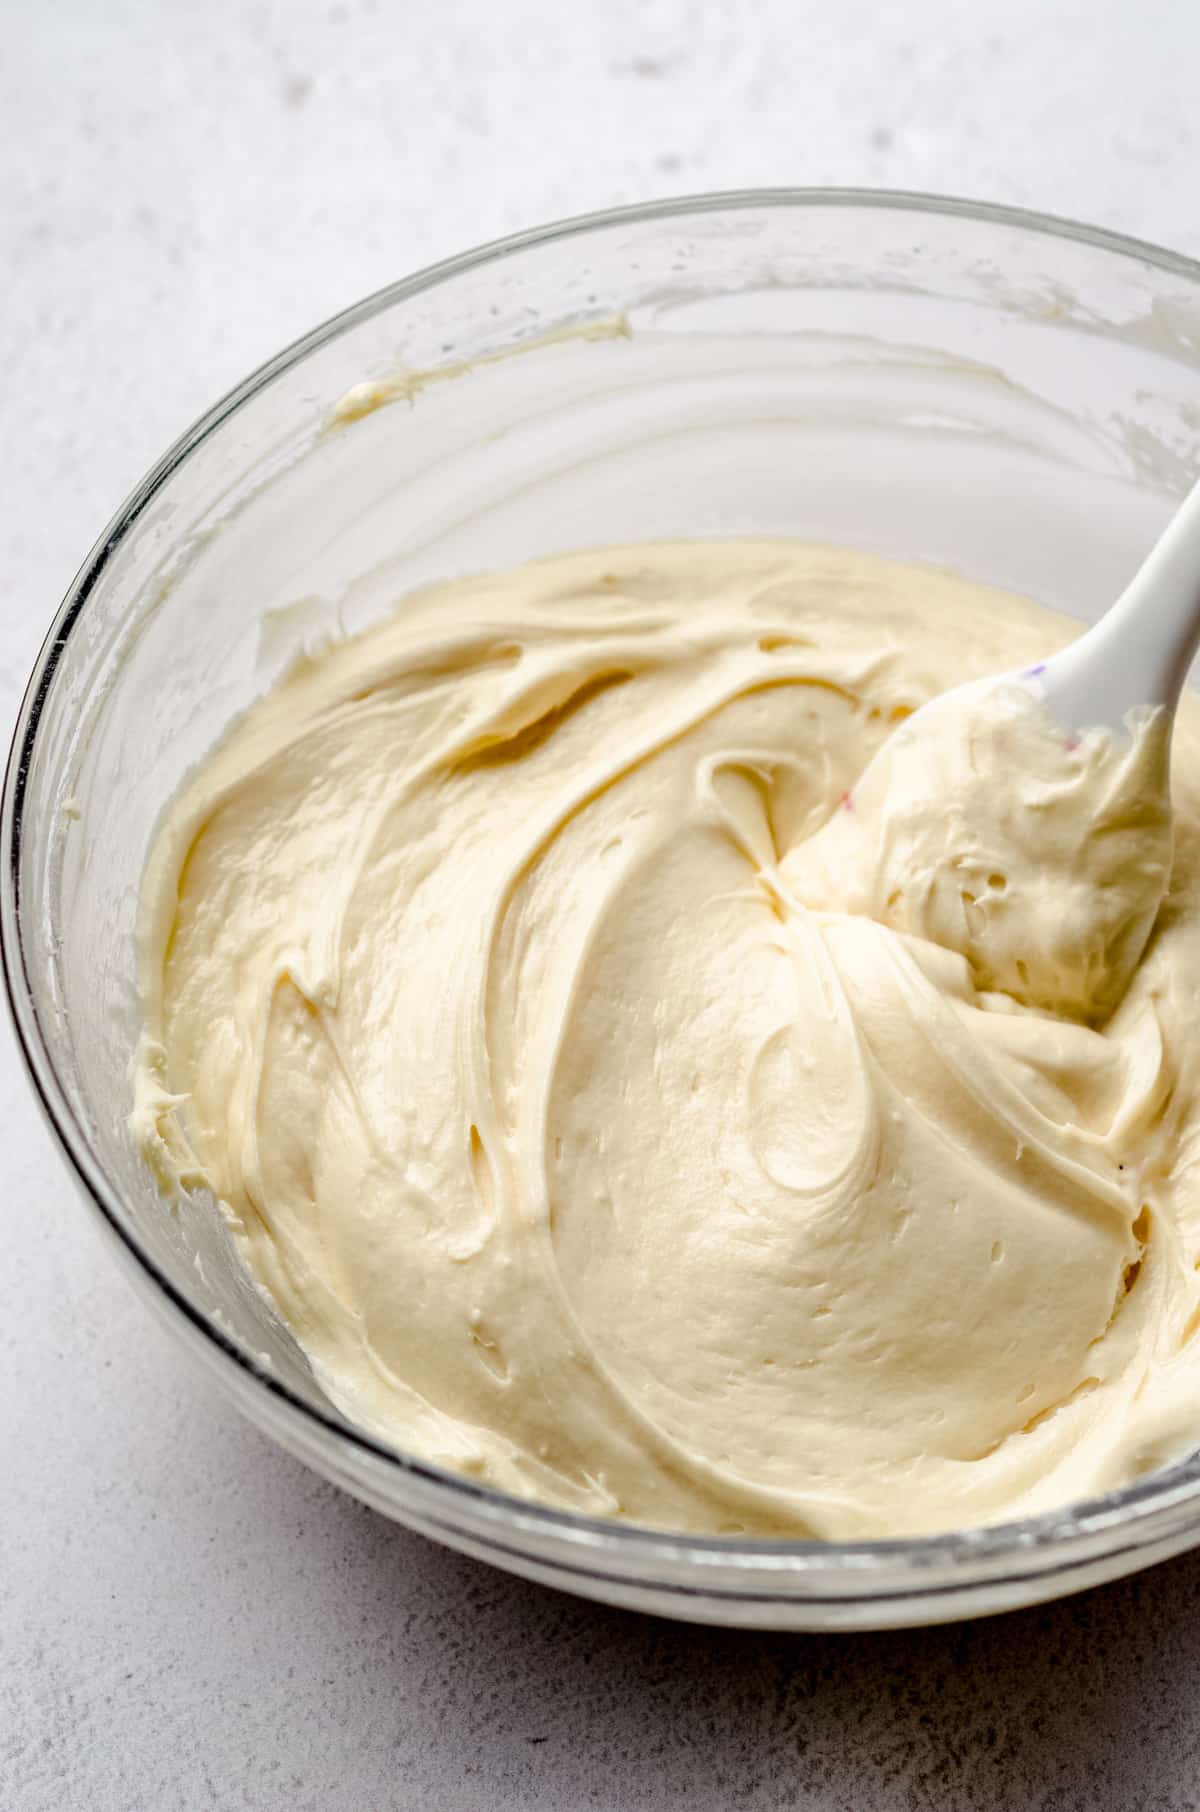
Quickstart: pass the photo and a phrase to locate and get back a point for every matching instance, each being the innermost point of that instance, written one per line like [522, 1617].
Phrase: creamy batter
[622, 1109]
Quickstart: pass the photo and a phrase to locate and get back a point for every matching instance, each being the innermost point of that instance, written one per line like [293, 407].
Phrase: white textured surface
[187, 1618]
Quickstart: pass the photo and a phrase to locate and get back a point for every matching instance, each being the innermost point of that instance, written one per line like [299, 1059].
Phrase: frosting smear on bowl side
[633, 1101]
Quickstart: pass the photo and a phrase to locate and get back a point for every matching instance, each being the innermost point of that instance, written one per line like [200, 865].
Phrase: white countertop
[188, 1619]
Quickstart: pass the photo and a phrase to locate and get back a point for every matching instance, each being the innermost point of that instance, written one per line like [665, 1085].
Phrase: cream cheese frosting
[633, 1096]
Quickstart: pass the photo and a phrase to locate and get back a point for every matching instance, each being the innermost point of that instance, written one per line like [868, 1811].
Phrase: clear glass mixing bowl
[1010, 395]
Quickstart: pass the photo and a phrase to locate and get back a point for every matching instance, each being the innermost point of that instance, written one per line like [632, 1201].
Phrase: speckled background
[187, 1618]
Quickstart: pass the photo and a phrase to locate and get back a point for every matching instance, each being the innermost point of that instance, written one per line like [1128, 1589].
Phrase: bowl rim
[867, 1566]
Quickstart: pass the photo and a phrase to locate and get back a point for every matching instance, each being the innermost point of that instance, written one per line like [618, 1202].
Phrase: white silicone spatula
[1140, 651]
[1024, 820]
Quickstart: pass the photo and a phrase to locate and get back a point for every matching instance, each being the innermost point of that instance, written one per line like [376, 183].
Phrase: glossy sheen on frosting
[584, 1156]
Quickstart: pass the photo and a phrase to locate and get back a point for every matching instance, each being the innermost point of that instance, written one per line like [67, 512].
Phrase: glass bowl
[1009, 395]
